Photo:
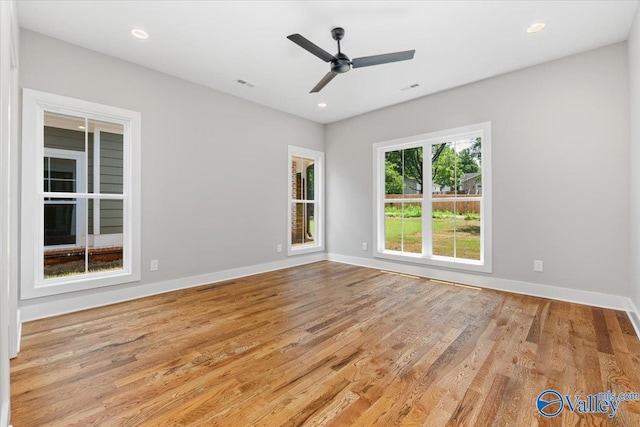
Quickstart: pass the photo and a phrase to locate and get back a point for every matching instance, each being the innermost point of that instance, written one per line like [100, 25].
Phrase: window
[305, 209]
[81, 191]
[448, 226]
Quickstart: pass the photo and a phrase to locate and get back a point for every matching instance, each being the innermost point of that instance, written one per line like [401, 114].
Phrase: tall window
[305, 210]
[81, 215]
[434, 198]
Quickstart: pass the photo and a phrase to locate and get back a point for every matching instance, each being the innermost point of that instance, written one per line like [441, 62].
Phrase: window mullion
[427, 202]
[96, 182]
[455, 200]
[85, 202]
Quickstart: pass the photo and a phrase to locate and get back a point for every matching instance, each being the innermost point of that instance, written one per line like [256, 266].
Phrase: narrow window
[305, 210]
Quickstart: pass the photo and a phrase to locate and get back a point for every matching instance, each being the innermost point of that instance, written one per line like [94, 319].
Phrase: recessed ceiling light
[536, 28]
[141, 34]
[81, 127]
[322, 104]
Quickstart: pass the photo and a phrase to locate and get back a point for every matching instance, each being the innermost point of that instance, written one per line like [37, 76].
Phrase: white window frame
[318, 242]
[35, 104]
[484, 265]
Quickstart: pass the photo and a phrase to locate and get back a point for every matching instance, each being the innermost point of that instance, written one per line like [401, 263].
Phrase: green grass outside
[467, 236]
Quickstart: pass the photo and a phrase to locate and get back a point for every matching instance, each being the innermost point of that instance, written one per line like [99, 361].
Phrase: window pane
[302, 178]
[65, 151]
[412, 227]
[393, 226]
[443, 226]
[403, 171]
[64, 132]
[468, 229]
[393, 182]
[469, 165]
[302, 223]
[444, 173]
[111, 219]
[106, 164]
[106, 238]
[412, 167]
[60, 223]
[403, 227]
[63, 262]
[63, 238]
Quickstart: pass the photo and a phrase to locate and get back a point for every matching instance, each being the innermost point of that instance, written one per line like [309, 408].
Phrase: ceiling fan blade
[367, 61]
[322, 83]
[311, 47]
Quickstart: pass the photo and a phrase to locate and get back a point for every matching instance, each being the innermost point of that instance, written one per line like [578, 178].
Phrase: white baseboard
[33, 310]
[14, 346]
[485, 281]
[4, 414]
[634, 315]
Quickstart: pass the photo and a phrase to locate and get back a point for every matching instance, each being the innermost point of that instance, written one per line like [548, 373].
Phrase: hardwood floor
[319, 345]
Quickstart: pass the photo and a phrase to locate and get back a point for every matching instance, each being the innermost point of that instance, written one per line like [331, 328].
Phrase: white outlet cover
[537, 265]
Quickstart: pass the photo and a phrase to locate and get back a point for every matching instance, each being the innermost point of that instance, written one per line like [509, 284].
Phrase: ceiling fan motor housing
[342, 65]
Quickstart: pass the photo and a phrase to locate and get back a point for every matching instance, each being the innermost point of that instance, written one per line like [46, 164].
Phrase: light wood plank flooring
[319, 345]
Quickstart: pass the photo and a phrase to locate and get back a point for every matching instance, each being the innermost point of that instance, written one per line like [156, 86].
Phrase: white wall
[214, 167]
[634, 156]
[560, 168]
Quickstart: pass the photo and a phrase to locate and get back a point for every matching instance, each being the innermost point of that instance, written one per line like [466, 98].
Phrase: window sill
[306, 249]
[436, 261]
[80, 283]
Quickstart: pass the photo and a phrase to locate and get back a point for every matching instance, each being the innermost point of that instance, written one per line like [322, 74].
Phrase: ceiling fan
[340, 63]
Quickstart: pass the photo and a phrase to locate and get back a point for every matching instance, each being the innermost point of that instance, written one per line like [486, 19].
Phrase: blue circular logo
[549, 403]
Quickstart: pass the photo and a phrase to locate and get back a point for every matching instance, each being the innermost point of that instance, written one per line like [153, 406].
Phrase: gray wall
[634, 155]
[214, 167]
[560, 168]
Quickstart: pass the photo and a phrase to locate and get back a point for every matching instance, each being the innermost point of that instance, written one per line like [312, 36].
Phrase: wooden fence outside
[460, 205]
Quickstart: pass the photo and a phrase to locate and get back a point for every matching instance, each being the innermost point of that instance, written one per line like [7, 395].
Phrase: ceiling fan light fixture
[536, 28]
[140, 34]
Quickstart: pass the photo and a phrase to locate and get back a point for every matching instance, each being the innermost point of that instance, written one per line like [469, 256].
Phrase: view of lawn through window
[452, 178]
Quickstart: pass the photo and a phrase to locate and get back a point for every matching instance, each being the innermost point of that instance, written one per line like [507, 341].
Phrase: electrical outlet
[537, 265]
[279, 248]
[154, 265]
[365, 246]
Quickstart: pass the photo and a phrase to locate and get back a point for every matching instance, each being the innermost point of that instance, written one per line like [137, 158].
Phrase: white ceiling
[215, 43]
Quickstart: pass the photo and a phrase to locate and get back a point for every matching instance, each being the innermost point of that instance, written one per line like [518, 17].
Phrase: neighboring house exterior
[412, 186]
[471, 183]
